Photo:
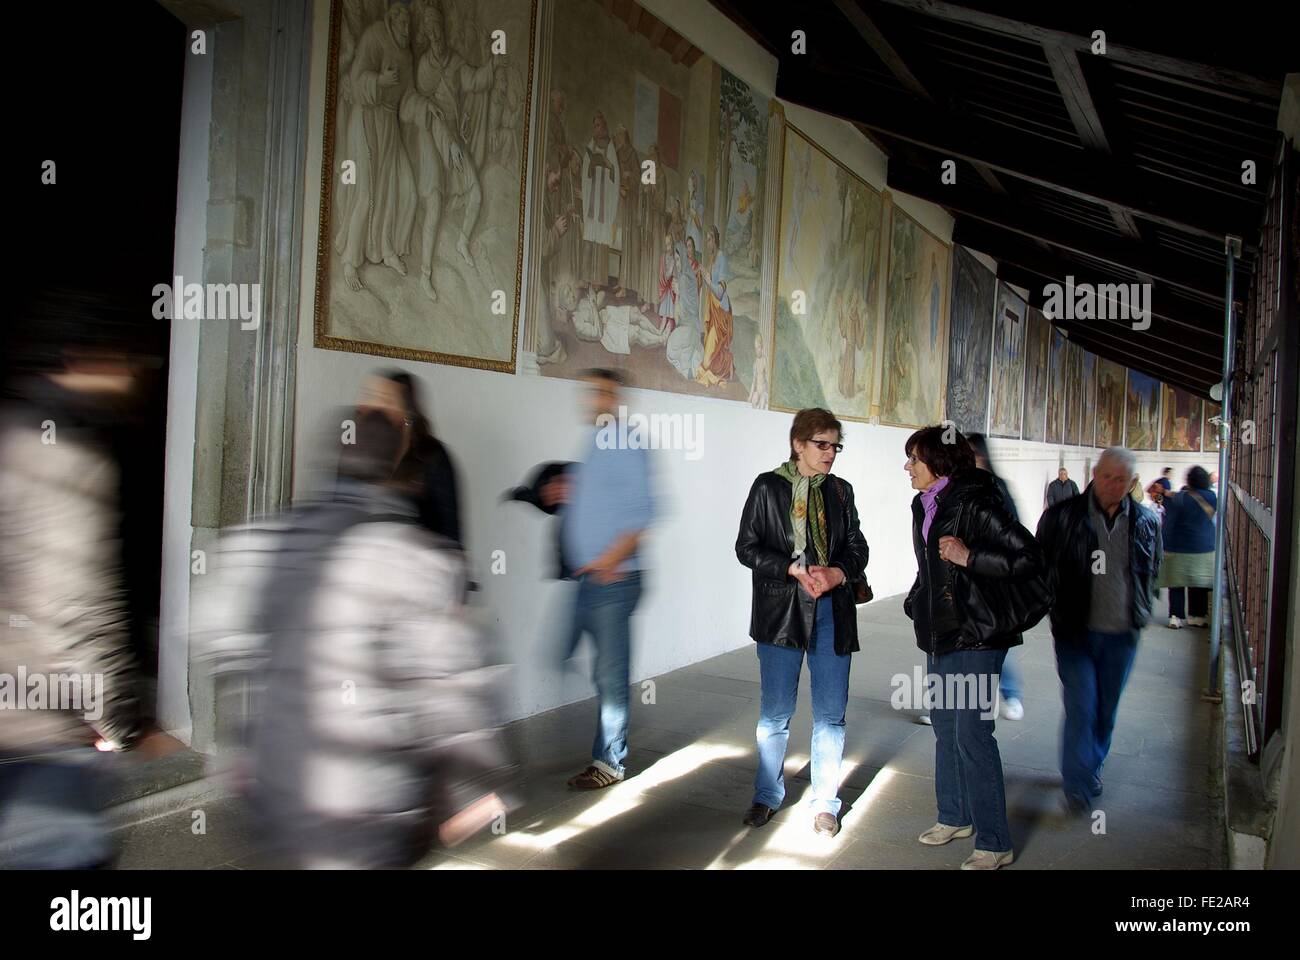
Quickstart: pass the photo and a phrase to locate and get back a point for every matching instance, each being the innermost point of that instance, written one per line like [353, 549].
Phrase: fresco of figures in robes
[648, 209]
[1088, 402]
[969, 342]
[1007, 372]
[1038, 340]
[916, 325]
[827, 284]
[1142, 419]
[422, 213]
[1074, 395]
[1056, 388]
[1071, 388]
[1110, 403]
[1210, 432]
[1180, 423]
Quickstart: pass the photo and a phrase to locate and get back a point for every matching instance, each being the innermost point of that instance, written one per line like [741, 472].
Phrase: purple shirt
[927, 501]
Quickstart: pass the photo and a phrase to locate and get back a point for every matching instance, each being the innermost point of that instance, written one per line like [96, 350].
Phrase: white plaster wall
[498, 426]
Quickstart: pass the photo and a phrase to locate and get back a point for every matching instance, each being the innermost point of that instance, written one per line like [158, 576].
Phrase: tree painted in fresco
[742, 127]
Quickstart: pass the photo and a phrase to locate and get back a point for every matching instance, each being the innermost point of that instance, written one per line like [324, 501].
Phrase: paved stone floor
[692, 765]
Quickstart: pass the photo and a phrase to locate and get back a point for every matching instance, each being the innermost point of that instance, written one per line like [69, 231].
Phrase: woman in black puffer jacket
[969, 550]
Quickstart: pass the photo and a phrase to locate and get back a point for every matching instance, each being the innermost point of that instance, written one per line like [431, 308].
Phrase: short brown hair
[616, 377]
[808, 423]
[943, 458]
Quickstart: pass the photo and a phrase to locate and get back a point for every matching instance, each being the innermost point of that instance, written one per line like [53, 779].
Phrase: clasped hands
[816, 580]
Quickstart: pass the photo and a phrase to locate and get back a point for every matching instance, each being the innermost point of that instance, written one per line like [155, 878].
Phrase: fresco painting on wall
[828, 277]
[422, 217]
[1057, 389]
[1142, 420]
[1180, 420]
[1211, 430]
[1110, 403]
[1007, 371]
[648, 212]
[970, 342]
[1088, 409]
[1074, 391]
[916, 325]
[1038, 334]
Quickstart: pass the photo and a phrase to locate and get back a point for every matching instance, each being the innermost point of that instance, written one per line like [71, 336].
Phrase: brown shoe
[758, 815]
[826, 825]
[593, 778]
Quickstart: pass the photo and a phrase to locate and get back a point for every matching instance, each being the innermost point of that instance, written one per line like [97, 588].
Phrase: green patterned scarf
[806, 501]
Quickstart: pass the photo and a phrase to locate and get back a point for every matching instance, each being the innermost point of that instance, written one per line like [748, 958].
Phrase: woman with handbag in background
[799, 534]
[1188, 533]
[980, 582]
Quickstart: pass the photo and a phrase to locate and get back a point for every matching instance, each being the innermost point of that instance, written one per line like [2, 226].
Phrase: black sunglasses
[824, 445]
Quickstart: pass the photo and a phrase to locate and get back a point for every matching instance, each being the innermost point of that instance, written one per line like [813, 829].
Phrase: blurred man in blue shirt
[608, 507]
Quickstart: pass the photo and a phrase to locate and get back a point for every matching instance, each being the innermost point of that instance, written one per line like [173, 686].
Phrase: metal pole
[1231, 249]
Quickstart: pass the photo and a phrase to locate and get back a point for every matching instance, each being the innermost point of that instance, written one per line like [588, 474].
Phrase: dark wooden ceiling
[1117, 168]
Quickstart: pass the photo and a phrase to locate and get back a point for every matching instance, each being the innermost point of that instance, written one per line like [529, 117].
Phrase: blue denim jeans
[1010, 683]
[52, 810]
[1093, 675]
[779, 669]
[605, 612]
[968, 782]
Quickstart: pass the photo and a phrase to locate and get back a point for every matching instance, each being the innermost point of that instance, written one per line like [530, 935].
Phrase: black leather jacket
[1068, 542]
[782, 612]
[949, 610]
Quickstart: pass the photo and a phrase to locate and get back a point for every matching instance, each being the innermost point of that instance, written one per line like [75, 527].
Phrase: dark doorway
[106, 110]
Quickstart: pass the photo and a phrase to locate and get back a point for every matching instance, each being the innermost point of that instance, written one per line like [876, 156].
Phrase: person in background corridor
[1189, 550]
[1103, 553]
[1062, 488]
[607, 508]
[969, 553]
[426, 470]
[1011, 707]
[800, 536]
[344, 620]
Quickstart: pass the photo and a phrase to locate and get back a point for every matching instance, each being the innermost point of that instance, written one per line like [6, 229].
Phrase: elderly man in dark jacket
[1103, 552]
[1062, 488]
[346, 617]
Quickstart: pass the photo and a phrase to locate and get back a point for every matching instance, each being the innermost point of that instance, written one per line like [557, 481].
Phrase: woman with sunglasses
[799, 534]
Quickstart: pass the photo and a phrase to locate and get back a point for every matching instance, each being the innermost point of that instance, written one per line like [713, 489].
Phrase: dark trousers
[968, 783]
[1093, 672]
[1197, 602]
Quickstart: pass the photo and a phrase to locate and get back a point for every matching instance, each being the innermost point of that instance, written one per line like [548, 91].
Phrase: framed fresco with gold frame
[423, 169]
[915, 342]
[827, 283]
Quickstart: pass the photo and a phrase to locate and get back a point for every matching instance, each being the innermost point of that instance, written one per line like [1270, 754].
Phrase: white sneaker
[1011, 709]
[1197, 622]
[1175, 623]
[988, 860]
[941, 833]
[924, 719]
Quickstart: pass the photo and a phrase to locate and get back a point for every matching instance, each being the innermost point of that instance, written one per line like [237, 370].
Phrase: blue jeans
[968, 782]
[52, 810]
[779, 669]
[1010, 681]
[605, 611]
[1093, 674]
